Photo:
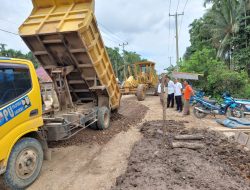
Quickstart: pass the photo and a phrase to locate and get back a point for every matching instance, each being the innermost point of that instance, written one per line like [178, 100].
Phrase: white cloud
[143, 23]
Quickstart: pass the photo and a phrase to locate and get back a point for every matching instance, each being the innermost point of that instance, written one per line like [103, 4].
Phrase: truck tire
[140, 93]
[103, 117]
[24, 164]
[94, 125]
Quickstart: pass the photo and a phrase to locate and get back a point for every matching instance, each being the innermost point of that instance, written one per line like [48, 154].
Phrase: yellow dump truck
[64, 37]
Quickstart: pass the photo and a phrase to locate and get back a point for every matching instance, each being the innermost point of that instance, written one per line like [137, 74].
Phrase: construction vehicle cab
[142, 81]
[145, 73]
[20, 119]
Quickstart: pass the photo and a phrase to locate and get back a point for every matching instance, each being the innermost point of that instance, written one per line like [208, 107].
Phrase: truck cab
[20, 120]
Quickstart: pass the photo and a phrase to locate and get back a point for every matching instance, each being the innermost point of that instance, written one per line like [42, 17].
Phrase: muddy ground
[154, 164]
[130, 114]
[93, 159]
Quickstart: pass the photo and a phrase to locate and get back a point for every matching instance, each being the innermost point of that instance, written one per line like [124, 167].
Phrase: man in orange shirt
[188, 92]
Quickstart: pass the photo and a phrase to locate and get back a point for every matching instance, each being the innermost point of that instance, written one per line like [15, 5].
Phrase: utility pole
[177, 35]
[124, 58]
[123, 45]
[170, 59]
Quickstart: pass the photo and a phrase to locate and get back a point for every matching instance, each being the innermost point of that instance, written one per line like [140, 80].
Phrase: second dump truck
[64, 37]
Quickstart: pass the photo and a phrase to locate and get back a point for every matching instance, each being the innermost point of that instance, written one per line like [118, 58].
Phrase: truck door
[15, 102]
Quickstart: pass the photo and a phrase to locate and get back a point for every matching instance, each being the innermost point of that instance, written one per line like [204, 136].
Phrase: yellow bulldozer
[142, 81]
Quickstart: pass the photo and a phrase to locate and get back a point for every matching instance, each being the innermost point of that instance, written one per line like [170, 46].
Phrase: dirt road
[154, 164]
[94, 159]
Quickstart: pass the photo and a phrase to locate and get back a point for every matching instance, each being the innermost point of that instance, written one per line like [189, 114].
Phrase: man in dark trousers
[178, 95]
[170, 86]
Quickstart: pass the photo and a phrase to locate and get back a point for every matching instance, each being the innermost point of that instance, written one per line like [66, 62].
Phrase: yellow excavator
[64, 37]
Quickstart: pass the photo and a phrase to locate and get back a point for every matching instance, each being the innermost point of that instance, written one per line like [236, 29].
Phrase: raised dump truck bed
[64, 37]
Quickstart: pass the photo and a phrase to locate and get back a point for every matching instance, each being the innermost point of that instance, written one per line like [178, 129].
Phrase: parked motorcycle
[198, 94]
[229, 107]
[245, 105]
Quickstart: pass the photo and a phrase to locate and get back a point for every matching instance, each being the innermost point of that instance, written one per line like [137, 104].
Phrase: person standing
[170, 92]
[178, 95]
[188, 92]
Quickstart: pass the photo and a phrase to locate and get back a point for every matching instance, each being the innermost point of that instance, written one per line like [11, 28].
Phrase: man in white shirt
[178, 95]
[170, 85]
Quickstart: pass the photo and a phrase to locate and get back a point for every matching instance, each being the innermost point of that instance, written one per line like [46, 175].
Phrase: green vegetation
[220, 48]
[121, 61]
[17, 54]
[118, 60]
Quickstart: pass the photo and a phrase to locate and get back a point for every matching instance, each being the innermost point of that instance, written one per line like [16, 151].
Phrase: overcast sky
[144, 24]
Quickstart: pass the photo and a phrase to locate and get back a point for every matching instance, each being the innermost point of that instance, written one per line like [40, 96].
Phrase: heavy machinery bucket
[64, 35]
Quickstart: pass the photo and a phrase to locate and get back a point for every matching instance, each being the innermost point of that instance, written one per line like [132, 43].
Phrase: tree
[220, 48]
[200, 35]
[17, 54]
[225, 14]
[240, 42]
[121, 62]
[225, 80]
[116, 60]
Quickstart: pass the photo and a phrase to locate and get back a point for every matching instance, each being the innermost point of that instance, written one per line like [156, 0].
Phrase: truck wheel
[140, 93]
[24, 164]
[94, 125]
[103, 117]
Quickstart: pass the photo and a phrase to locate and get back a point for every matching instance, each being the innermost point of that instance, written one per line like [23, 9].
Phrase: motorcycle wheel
[236, 112]
[199, 114]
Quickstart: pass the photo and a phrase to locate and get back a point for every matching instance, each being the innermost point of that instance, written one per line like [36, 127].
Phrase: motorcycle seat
[211, 101]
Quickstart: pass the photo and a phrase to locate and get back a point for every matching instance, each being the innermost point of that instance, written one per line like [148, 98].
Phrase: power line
[109, 39]
[178, 5]
[182, 16]
[107, 36]
[112, 33]
[6, 31]
[169, 26]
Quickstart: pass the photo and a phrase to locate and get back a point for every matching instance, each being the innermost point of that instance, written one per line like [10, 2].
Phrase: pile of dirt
[154, 164]
[130, 114]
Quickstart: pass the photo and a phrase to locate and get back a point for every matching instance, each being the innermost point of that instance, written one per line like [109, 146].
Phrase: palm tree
[244, 7]
[214, 2]
[225, 14]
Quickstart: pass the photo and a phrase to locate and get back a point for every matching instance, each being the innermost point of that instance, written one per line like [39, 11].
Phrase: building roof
[145, 63]
[186, 76]
[43, 75]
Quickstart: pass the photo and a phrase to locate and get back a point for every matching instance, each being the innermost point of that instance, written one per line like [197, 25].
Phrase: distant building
[186, 76]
